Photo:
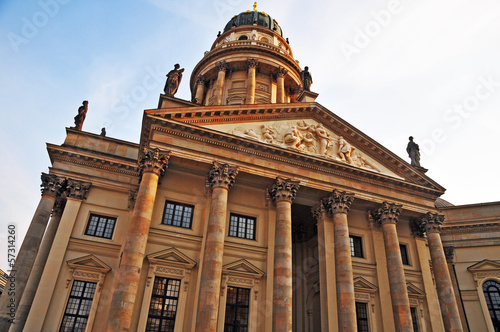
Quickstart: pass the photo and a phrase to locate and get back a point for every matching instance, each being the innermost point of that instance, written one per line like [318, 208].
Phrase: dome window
[243, 38]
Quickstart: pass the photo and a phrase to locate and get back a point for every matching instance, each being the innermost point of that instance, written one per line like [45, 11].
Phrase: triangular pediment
[172, 257]
[484, 266]
[364, 286]
[242, 267]
[89, 263]
[414, 291]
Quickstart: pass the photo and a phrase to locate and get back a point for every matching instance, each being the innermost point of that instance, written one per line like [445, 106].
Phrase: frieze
[359, 296]
[169, 270]
[88, 275]
[237, 280]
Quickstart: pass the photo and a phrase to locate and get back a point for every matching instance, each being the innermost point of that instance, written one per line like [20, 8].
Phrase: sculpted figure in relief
[344, 150]
[269, 133]
[292, 138]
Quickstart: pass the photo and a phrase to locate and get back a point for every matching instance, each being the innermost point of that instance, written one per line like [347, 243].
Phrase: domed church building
[250, 207]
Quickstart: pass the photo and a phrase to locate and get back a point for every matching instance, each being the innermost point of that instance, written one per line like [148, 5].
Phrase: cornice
[470, 228]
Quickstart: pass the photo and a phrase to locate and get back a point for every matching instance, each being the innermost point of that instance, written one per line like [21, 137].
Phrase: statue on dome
[174, 78]
[306, 78]
[413, 152]
[82, 113]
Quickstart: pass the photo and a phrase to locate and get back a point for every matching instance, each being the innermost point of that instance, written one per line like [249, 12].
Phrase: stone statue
[174, 78]
[306, 78]
[103, 131]
[413, 152]
[344, 150]
[292, 137]
[80, 117]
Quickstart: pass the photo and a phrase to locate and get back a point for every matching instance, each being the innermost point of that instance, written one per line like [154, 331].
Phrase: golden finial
[255, 5]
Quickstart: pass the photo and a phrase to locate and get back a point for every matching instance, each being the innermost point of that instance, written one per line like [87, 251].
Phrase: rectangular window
[77, 310]
[414, 319]
[237, 309]
[100, 226]
[178, 214]
[163, 306]
[404, 254]
[242, 226]
[356, 246]
[362, 317]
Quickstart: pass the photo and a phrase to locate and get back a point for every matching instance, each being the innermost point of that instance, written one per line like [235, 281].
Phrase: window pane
[242, 226]
[404, 254]
[100, 226]
[177, 214]
[362, 317]
[356, 246]
[491, 290]
[163, 305]
[237, 309]
[78, 306]
[414, 319]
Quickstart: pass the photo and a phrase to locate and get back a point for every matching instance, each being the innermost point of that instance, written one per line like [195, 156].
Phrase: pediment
[364, 286]
[484, 266]
[89, 263]
[171, 257]
[242, 267]
[414, 291]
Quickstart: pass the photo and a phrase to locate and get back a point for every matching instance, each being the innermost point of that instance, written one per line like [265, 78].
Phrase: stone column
[152, 164]
[220, 179]
[338, 204]
[431, 223]
[51, 188]
[327, 282]
[200, 90]
[38, 266]
[223, 67]
[252, 66]
[282, 192]
[280, 93]
[387, 215]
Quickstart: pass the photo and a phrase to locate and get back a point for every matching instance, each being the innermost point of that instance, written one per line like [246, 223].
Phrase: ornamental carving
[200, 80]
[306, 137]
[252, 63]
[153, 161]
[242, 281]
[281, 72]
[222, 65]
[222, 175]
[77, 189]
[318, 211]
[388, 213]
[169, 270]
[58, 208]
[88, 275]
[339, 202]
[431, 222]
[52, 185]
[283, 190]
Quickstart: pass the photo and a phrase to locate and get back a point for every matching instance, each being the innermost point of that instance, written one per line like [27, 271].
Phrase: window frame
[414, 319]
[81, 298]
[367, 314]
[165, 297]
[407, 255]
[486, 302]
[237, 230]
[100, 216]
[237, 305]
[352, 246]
[184, 206]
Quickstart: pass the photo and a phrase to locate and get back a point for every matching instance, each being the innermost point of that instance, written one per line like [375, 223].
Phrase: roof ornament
[255, 5]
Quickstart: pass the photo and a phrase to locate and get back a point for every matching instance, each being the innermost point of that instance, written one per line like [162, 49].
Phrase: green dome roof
[251, 17]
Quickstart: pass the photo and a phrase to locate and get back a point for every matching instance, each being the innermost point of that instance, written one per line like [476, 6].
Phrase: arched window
[243, 38]
[491, 290]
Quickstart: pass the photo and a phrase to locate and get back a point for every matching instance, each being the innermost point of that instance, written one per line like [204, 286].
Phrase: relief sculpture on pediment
[307, 137]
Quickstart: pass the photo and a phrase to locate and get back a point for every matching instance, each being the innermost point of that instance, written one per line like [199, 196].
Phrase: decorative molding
[318, 211]
[153, 161]
[221, 175]
[339, 202]
[431, 222]
[483, 270]
[482, 227]
[170, 263]
[283, 190]
[52, 185]
[88, 267]
[388, 213]
[281, 72]
[252, 63]
[77, 189]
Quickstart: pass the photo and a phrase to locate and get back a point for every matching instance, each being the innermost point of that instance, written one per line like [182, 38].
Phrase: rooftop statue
[174, 78]
[414, 152]
[306, 78]
[80, 117]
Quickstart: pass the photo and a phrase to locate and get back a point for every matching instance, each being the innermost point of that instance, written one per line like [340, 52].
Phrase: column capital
[281, 72]
[153, 161]
[283, 190]
[387, 213]
[252, 63]
[222, 65]
[52, 185]
[318, 211]
[77, 189]
[222, 175]
[200, 80]
[449, 253]
[339, 202]
[431, 222]
[58, 208]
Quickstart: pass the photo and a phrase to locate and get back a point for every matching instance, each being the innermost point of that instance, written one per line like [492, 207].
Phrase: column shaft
[221, 78]
[200, 90]
[36, 272]
[127, 283]
[280, 93]
[444, 286]
[397, 281]
[282, 289]
[344, 274]
[250, 99]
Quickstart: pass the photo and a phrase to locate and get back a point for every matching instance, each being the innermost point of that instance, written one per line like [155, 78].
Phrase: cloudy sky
[391, 68]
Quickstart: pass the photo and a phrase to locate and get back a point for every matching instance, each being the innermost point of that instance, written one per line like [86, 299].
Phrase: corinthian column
[431, 224]
[152, 164]
[282, 192]
[220, 179]
[252, 66]
[51, 188]
[200, 90]
[38, 266]
[223, 67]
[387, 215]
[280, 93]
[339, 203]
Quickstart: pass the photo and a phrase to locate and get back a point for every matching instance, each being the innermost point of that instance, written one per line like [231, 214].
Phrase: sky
[391, 68]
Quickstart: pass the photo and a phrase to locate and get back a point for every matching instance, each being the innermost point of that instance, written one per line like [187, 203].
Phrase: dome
[251, 17]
